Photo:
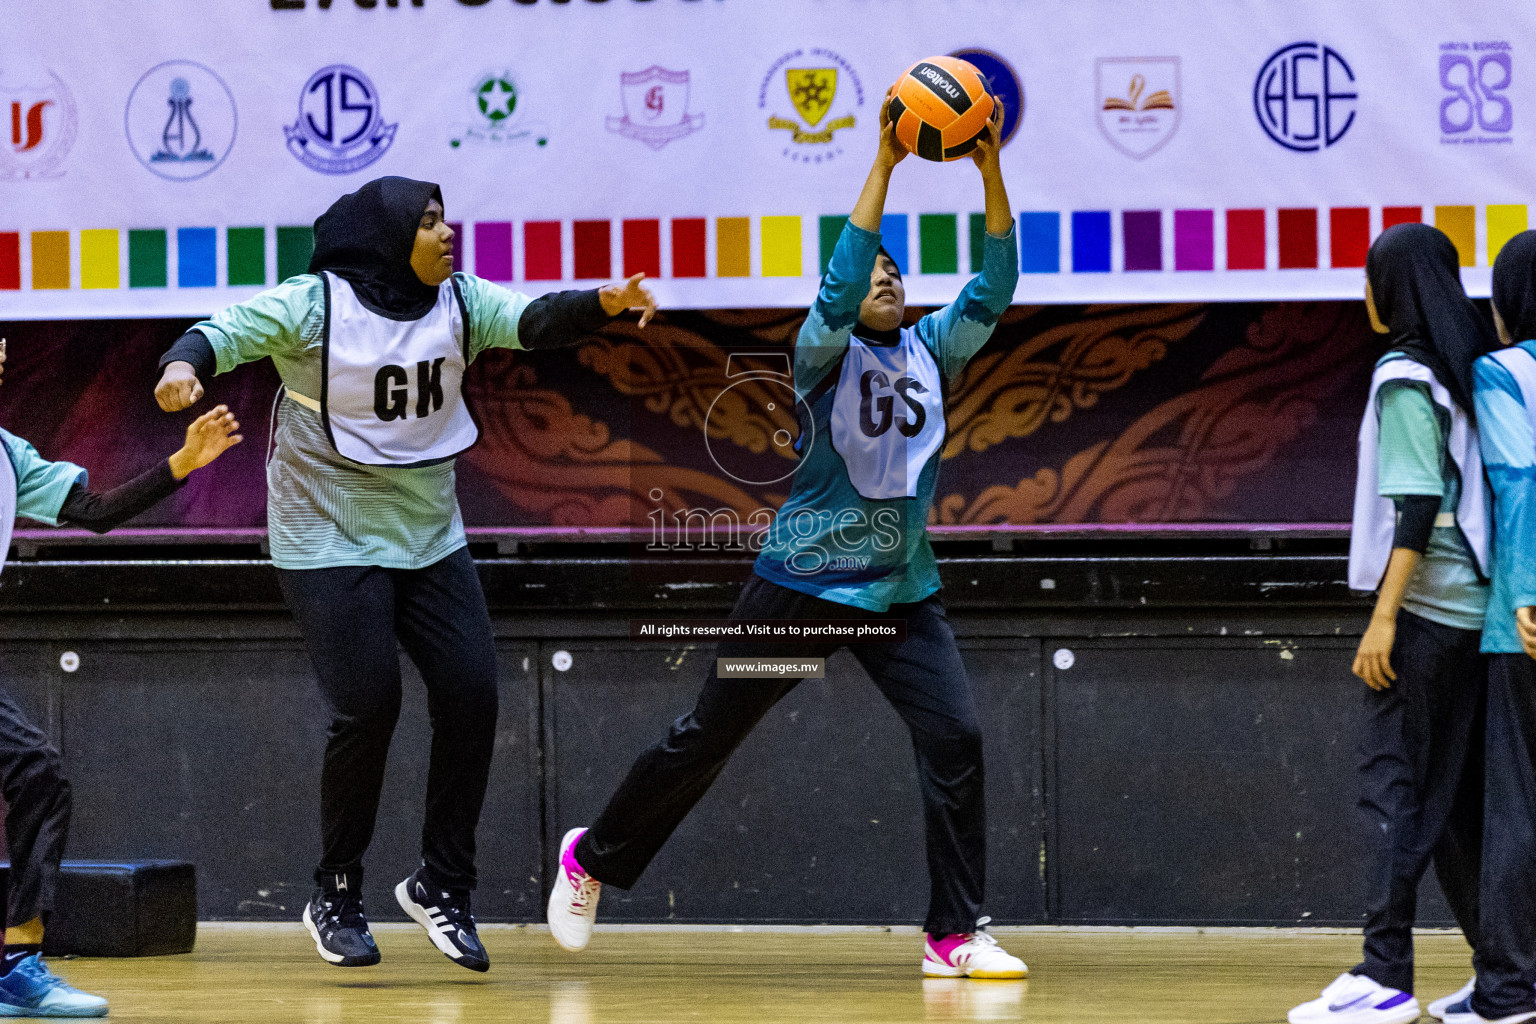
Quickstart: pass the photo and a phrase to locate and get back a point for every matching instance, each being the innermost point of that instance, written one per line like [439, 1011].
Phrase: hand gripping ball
[940, 107]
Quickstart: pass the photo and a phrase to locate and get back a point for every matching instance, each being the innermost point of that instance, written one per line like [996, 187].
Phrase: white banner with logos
[164, 157]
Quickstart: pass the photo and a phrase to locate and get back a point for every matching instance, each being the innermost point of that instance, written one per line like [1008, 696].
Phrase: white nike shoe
[1356, 999]
[970, 955]
[1437, 1008]
[573, 901]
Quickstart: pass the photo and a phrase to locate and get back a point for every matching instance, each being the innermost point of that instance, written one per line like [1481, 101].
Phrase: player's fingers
[196, 392]
[1386, 668]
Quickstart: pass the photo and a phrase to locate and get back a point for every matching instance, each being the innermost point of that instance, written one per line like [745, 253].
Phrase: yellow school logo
[811, 91]
[812, 94]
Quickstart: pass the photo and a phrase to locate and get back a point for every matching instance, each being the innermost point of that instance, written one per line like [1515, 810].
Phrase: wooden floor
[270, 974]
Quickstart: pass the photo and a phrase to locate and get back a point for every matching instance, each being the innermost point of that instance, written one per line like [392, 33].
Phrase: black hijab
[1415, 278]
[868, 333]
[1514, 286]
[366, 238]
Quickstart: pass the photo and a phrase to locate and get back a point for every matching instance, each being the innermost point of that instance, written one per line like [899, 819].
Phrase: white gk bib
[887, 415]
[391, 391]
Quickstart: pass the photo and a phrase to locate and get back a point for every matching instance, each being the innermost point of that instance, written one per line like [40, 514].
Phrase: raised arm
[824, 336]
[958, 331]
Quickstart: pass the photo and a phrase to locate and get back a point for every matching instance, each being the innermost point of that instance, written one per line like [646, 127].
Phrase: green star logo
[496, 98]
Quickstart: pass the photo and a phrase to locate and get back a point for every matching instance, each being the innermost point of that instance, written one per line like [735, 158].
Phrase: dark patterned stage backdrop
[1146, 414]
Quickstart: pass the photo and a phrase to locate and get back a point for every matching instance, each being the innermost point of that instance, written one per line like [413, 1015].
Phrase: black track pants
[1422, 789]
[923, 679]
[351, 617]
[1506, 949]
[37, 817]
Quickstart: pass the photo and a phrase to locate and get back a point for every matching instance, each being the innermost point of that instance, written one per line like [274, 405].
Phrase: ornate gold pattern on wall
[565, 469]
[1192, 450]
[683, 375]
[1010, 392]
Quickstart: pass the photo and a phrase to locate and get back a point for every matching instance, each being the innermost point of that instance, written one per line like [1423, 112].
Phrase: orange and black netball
[940, 106]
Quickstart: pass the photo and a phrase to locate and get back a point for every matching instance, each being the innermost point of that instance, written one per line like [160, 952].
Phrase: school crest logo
[180, 120]
[811, 90]
[1139, 102]
[500, 113]
[812, 94]
[655, 107]
[40, 113]
[340, 128]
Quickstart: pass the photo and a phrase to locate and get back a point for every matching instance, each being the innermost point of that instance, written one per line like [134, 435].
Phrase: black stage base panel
[121, 908]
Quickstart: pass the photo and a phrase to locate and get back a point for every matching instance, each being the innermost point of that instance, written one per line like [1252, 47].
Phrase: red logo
[43, 124]
[34, 122]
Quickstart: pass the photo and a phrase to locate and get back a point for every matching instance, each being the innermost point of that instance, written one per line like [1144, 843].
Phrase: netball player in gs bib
[1420, 538]
[849, 542]
[37, 796]
[1504, 388]
[364, 525]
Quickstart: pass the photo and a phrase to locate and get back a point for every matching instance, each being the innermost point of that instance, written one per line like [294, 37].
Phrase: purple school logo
[1476, 108]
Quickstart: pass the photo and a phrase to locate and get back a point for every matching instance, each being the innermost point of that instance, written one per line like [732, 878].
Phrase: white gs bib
[391, 391]
[888, 415]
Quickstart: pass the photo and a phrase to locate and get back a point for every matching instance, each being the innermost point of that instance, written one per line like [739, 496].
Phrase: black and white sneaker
[446, 917]
[336, 922]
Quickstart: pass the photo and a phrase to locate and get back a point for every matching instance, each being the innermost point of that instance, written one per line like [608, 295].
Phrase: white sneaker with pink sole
[970, 955]
[573, 902]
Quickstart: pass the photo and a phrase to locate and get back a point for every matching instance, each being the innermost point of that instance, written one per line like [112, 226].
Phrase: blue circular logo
[1305, 97]
[1004, 83]
[340, 128]
[180, 120]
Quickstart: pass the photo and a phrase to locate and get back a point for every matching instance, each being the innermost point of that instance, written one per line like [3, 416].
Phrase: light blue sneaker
[31, 990]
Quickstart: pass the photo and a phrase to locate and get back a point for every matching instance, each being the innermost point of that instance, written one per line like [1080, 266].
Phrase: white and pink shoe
[573, 902]
[970, 955]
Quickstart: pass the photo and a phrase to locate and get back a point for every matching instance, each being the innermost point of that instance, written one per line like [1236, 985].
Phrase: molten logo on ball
[940, 107]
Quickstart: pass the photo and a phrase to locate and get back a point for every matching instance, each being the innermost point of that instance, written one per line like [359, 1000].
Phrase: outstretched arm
[500, 318]
[271, 323]
[208, 437]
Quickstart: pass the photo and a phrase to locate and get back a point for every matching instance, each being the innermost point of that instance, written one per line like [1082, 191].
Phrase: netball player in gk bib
[849, 542]
[37, 796]
[1504, 388]
[372, 346]
[1420, 539]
